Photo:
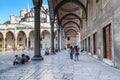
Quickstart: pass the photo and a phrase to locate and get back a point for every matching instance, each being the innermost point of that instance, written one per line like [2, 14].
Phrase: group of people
[21, 60]
[74, 51]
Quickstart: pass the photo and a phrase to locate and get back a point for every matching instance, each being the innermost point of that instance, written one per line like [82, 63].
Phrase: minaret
[28, 8]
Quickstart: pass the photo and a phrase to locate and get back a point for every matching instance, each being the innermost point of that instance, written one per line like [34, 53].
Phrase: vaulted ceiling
[69, 13]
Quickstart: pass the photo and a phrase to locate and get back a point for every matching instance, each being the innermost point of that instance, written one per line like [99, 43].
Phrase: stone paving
[56, 67]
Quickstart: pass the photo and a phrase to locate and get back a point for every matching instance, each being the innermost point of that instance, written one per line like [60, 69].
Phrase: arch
[11, 33]
[69, 15]
[10, 41]
[21, 39]
[1, 36]
[70, 30]
[71, 37]
[45, 39]
[31, 39]
[31, 32]
[22, 33]
[70, 27]
[45, 32]
[66, 1]
[70, 22]
[1, 42]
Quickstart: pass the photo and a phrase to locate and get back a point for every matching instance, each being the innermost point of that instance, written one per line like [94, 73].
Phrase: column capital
[37, 3]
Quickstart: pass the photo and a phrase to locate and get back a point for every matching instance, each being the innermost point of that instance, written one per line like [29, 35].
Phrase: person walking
[76, 53]
[71, 52]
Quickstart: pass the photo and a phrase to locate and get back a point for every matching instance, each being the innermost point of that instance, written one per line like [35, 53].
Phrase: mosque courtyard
[56, 67]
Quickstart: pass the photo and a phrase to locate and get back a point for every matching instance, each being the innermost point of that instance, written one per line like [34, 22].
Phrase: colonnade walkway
[56, 67]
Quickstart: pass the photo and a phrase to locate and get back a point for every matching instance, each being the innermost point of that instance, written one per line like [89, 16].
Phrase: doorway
[88, 44]
[68, 45]
[85, 44]
[107, 44]
[95, 43]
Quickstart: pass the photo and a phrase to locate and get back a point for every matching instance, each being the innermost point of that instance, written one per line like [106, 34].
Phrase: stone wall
[103, 15]
[116, 36]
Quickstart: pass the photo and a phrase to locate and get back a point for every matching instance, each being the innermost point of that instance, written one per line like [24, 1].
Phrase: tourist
[24, 59]
[17, 60]
[47, 51]
[71, 52]
[76, 52]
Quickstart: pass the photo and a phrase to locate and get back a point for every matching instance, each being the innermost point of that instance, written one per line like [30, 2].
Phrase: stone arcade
[96, 22]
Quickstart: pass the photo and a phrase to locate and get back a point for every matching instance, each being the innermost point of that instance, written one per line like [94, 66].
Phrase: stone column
[15, 44]
[58, 39]
[61, 39]
[37, 50]
[79, 44]
[52, 38]
[4, 44]
[27, 43]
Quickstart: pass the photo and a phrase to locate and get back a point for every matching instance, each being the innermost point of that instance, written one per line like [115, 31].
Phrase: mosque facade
[18, 32]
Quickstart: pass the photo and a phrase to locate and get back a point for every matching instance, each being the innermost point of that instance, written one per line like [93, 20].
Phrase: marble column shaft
[15, 44]
[52, 37]
[27, 43]
[61, 39]
[37, 49]
[58, 39]
[4, 45]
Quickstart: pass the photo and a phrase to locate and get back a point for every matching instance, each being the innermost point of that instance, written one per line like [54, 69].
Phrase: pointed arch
[71, 22]
[70, 30]
[66, 1]
[69, 14]
[21, 39]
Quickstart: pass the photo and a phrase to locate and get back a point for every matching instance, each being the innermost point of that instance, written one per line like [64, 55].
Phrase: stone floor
[56, 67]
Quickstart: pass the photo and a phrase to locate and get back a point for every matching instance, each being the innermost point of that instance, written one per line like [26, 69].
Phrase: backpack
[28, 58]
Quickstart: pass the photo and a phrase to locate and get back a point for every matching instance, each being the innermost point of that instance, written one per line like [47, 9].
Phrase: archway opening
[9, 46]
[21, 40]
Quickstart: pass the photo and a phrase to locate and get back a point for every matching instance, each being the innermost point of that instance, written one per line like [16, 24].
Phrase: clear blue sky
[13, 7]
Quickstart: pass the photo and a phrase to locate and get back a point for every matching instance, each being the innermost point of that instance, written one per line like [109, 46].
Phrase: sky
[13, 7]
